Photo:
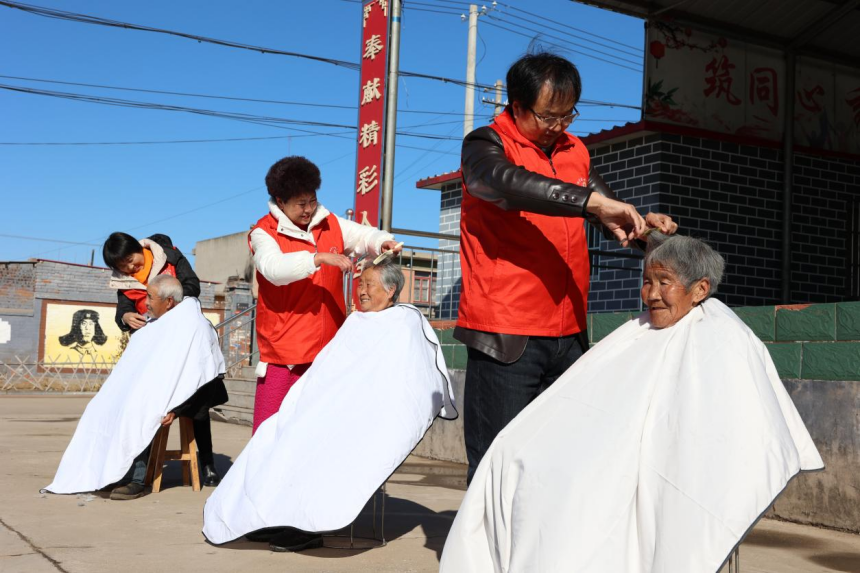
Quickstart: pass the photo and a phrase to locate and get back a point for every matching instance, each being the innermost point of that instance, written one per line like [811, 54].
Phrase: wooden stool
[187, 454]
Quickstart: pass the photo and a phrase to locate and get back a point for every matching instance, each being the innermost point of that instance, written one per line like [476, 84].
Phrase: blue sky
[195, 191]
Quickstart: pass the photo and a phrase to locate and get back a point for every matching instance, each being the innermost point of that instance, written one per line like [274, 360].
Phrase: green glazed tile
[786, 357]
[848, 321]
[815, 322]
[603, 324]
[460, 357]
[831, 361]
[760, 319]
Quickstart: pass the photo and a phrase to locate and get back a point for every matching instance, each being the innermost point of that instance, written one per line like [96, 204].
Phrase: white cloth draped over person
[341, 431]
[657, 451]
[163, 365]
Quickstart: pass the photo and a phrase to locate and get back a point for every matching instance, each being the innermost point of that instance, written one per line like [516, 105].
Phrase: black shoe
[295, 540]
[132, 490]
[210, 476]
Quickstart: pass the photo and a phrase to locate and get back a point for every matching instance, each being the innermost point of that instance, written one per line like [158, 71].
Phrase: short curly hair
[292, 176]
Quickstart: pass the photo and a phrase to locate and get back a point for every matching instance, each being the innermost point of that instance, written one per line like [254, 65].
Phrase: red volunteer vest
[525, 273]
[295, 321]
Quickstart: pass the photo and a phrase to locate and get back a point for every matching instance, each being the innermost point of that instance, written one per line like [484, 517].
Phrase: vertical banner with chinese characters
[371, 110]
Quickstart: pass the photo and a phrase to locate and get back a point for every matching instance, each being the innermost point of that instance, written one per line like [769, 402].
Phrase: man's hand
[168, 419]
[134, 320]
[340, 261]
[662, 223]
[622, 220]
[392, 246]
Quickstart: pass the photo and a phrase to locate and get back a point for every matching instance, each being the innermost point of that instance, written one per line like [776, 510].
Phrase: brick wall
[17, 284]
[64, 281]
[731, 196]
[632, 169]
[23, 287]
[448, 278]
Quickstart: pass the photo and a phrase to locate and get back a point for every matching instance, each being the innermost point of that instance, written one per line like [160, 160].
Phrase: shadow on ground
[401, 516]
[813, 548]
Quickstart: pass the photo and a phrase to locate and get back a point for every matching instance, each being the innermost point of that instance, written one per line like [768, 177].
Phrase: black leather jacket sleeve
[123, 305]
[490, 176]
[184, 273]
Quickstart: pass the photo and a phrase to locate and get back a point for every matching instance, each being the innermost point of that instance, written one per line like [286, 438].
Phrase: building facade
[54, 312]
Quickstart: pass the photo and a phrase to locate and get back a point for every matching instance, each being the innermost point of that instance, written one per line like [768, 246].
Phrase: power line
[213, 96]
[458, 7]
[277, 122]
[157, 142]
[95, 20]
[180, 141]
[256, 100]
[47, 240]
[189, 211]
[559, 38]
[586, 54]
[636, 50]
[98, 21]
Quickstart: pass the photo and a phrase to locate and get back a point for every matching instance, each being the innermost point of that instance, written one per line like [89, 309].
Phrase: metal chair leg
[383, 513]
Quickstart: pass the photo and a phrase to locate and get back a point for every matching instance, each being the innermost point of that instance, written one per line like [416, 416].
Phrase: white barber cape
[655, 452]
[342, 430]
[163, 365]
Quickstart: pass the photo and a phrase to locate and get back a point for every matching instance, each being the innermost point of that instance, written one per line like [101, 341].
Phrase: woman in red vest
[299, 251]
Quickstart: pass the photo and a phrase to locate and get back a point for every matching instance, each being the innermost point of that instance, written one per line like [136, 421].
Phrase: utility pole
[469, 113]
[499, 107]
[498, 103]
[390, 118]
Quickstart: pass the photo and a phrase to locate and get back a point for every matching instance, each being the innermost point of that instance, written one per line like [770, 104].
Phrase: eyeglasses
[552, 121]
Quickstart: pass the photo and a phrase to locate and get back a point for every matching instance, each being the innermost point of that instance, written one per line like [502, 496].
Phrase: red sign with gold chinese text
[371, 110]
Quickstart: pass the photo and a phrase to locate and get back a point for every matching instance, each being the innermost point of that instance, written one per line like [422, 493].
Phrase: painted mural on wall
[75, 332]
[85, 332]
[709, 82]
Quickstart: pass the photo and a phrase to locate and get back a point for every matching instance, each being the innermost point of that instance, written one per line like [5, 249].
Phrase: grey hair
[691, 259]
[168, 287]
[390, 275]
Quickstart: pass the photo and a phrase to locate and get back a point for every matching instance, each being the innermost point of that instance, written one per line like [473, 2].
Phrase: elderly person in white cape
[172, 366]
[656, 452]
[345, 426]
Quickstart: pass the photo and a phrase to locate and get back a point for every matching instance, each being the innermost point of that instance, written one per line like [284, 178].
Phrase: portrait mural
[85, 332]
[75, 332]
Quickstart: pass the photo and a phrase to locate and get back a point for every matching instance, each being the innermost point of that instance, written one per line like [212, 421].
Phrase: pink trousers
[272, 389]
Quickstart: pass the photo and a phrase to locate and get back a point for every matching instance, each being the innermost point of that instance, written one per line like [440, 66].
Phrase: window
[422, 287]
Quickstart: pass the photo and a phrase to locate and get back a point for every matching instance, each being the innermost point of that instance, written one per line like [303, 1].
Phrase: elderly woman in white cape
[656, 452]
[346, 425]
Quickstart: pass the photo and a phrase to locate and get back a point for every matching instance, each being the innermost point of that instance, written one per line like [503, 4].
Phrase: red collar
[505, 123]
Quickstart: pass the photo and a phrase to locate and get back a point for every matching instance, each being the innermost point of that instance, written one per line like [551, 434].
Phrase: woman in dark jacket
[134, 263]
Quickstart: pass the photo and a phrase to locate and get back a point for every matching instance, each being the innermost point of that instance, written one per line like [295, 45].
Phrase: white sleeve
[280, 268]
[362, 239]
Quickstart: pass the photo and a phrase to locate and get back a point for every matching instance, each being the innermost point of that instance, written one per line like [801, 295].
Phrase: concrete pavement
[45, 533]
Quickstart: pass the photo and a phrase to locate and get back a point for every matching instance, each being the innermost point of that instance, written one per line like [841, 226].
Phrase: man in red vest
[527, 185]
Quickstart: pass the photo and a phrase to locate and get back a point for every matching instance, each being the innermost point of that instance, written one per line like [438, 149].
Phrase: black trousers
[496, 392]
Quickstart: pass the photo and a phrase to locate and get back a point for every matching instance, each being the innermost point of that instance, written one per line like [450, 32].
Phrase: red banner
[371, 110]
